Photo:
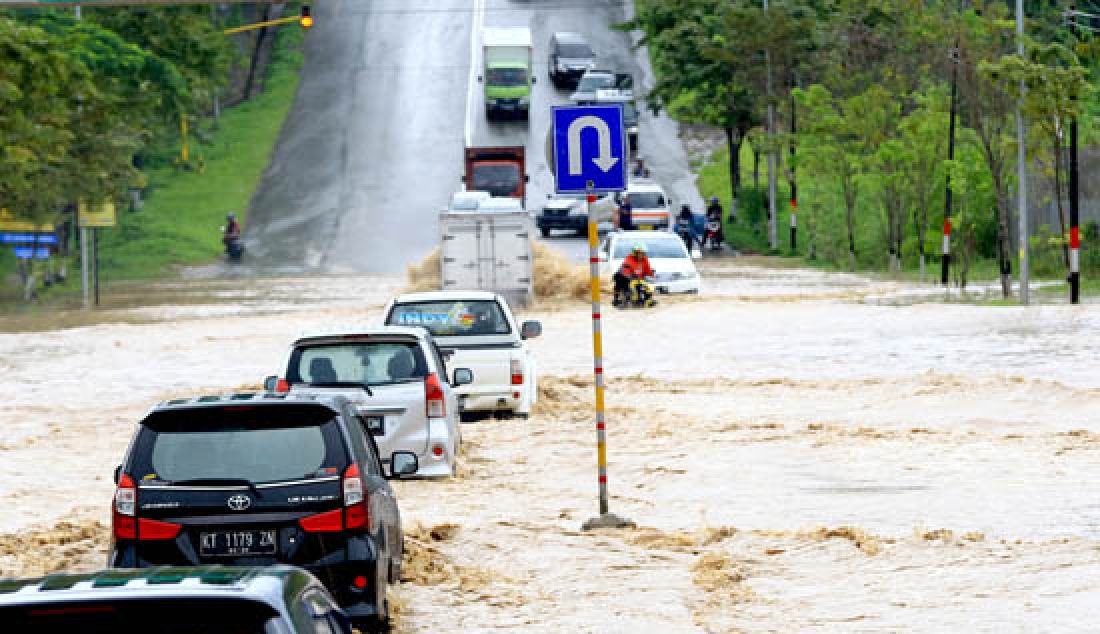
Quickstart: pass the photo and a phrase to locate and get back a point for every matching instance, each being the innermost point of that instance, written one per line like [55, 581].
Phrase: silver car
[396, 379]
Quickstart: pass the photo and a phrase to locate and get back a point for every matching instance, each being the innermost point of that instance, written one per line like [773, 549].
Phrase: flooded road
[800, 450]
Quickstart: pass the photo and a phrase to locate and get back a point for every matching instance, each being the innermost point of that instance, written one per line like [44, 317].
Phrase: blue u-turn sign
[589, 149]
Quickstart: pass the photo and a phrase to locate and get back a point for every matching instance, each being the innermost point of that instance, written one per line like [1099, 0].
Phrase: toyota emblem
[239, 502]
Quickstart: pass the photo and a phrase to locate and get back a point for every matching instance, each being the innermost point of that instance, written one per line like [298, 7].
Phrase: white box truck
[489, 250]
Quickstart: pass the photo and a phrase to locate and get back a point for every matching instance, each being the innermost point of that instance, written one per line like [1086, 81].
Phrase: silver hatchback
[397, 381]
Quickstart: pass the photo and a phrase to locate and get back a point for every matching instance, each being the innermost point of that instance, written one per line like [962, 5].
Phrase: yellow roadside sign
[8, 222]
[101, 216]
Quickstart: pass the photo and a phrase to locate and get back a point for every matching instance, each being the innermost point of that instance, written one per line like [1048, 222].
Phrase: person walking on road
[624, 220]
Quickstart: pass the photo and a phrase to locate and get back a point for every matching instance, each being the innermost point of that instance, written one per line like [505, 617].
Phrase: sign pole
[597, 354]
[606, 519]
[590, 155]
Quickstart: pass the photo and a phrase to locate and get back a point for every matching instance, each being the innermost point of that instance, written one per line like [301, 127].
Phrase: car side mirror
[118, 473]
[534, 80]
[527, 178]
[463, 376]
[480, 78]
[530, 330]
[404, 464]
[270, 383]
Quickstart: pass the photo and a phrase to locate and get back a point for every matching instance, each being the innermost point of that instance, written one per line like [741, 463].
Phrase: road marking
[471, 93]
[605, 161]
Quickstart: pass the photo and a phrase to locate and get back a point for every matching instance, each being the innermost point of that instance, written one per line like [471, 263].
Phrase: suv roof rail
[238, 397]
[208, 575]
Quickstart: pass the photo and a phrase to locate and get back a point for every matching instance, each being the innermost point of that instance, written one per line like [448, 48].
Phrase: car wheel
[472, 417]
[545, 232]
[373, 624]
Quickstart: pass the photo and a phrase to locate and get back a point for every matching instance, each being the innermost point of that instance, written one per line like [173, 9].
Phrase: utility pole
[950, 157]
[1021, 161]
[773, 237]
[76, 220]
[1074, 194]
[793, 176]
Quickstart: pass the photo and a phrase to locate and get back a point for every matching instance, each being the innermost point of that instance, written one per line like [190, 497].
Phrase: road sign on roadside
[590, 154]
[97, 217]
[9, 237]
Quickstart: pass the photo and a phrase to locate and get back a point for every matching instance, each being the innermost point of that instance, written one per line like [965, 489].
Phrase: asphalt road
[372, 148]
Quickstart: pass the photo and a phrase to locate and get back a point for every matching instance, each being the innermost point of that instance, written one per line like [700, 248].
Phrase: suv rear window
[358, 363]
[574, 50]
[137, 616]
[258, 444]
[647, 200]
[452, 319]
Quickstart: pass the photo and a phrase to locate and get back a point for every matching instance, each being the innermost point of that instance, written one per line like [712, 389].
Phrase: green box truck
[507, 54]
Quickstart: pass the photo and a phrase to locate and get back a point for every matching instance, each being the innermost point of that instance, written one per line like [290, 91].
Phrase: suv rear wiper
[226, 481]
[343, 384]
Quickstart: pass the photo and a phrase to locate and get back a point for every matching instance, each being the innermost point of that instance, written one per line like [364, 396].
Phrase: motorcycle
[234, 248]
[712, 235]
[640, 294]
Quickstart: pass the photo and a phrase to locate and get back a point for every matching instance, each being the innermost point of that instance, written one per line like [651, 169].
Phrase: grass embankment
[179, 222]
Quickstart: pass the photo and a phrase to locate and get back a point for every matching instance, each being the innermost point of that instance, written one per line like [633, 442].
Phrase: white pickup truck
[476, 330]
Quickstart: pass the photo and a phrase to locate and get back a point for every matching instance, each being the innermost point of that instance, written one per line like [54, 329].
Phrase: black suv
[263, 479]
[570, 57]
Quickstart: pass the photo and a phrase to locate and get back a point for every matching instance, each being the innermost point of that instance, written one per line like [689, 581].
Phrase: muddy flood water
[800, 450]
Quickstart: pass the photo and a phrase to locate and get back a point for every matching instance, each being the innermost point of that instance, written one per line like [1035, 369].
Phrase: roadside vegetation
[95, 110]
[862, 96]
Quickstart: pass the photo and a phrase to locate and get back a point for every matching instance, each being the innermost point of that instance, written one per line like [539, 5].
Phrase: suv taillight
[433, 395]
[517, 372]
[357, 515]
[282, 386]
[354, 515]
[123, 523]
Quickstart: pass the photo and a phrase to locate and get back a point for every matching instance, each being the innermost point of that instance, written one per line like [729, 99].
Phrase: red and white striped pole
[946, 249]
[1074, 201]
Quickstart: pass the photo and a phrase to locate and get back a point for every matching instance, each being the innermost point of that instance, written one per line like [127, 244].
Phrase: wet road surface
[373, 146]
[797, 457]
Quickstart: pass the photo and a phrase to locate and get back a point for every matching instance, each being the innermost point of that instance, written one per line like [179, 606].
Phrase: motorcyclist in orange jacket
[634, 266]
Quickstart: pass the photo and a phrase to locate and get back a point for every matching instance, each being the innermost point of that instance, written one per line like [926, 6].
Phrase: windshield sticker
[459, 315]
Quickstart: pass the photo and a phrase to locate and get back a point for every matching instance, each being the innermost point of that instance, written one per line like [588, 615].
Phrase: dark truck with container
[501, 171]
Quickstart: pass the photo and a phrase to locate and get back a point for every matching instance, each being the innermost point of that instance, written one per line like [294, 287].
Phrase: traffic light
[306, 20]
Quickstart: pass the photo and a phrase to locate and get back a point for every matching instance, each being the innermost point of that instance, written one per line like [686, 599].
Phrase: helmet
[714, 200]
[639, 247]
[685, 207]
[231, 216]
